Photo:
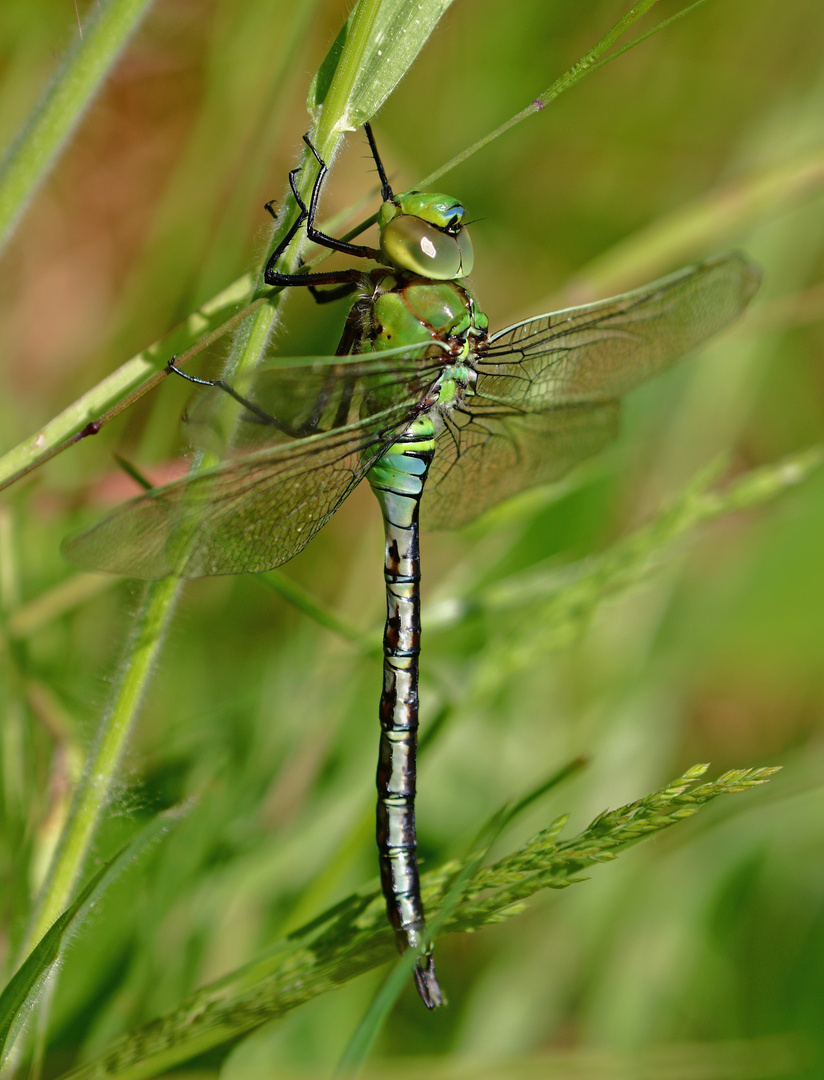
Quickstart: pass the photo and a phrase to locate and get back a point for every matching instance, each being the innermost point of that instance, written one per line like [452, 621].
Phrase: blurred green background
[702, 951]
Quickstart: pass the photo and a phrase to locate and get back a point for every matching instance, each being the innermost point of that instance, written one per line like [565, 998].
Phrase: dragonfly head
[423, 233]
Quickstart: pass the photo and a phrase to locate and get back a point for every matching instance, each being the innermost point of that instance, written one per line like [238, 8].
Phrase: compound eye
[417, 247]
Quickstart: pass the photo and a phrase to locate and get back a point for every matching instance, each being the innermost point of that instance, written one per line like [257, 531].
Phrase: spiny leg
[327, 295]
[258, 415]
[386, 190]
[307, 217]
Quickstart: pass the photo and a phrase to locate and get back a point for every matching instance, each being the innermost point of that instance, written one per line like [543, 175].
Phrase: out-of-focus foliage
[704, 946]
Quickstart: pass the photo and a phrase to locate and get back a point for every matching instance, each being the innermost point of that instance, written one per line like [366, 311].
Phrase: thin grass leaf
[20, 995]
[570, 77]
[398, 33]
[82, 73]
[129, 382]
[92, 796]
[568, 597]
[302, 599]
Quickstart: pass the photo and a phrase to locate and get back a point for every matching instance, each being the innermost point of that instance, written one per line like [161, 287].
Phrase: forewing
[260, 507]
[281, 402]
[602, 350]
[483, 457]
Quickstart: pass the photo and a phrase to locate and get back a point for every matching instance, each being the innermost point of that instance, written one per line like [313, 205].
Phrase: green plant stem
[647, 34]
[81, 75]
[569, 78]
[95, 787]
[304, 601]
[129, 382]
[333, 121]
[24, 988]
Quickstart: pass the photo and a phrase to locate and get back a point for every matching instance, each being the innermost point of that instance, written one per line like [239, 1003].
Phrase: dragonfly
[442, 418]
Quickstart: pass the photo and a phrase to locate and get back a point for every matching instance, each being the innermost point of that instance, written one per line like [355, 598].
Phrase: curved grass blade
[20, 995]
[122, 388]
[397, 34]
[86, 66]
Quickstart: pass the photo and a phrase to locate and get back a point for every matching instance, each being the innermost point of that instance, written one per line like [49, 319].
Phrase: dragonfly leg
[358, 251]
[258, 415]
[327, 295]
[307, 217]
[269, 207]
[386, 190]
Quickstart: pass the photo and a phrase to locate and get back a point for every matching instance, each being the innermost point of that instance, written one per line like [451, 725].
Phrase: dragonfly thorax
[436, 319]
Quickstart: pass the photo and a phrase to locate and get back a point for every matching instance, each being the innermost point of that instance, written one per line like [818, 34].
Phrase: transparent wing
[289, 471]
[547, 388]
[283, 401]
[483, 458]
[603, 350]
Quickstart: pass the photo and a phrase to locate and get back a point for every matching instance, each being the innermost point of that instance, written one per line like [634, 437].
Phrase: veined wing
[547, 388]
[603, 350]
[261, 507]
[282, 401]
[485, 457]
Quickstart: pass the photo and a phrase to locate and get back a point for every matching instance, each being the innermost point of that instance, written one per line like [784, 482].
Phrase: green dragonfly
[441, 417]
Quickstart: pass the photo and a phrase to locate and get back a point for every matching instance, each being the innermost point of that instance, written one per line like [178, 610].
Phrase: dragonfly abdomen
[398, 480]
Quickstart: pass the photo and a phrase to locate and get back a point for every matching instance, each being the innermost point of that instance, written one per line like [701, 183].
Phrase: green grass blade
[303, 600]
[20, 995]
[129, 382]
[569, 596]
[363, 1039]
[101, 772]
[81, 75]
[397, 33]
[570, 77]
